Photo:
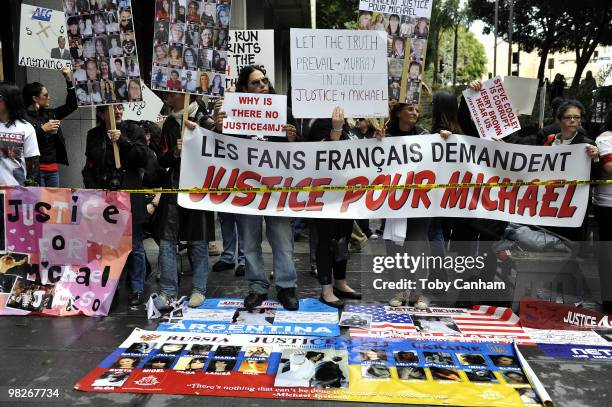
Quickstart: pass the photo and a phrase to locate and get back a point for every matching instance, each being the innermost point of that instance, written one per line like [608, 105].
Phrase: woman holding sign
[252, 79]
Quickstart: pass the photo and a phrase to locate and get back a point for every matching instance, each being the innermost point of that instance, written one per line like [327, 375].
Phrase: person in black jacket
[174, 223]
[46, 122]
[100, 172]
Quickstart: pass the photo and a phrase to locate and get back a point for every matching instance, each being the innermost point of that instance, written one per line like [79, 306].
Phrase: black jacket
[100, 165]
[52, 146]
[172, 222]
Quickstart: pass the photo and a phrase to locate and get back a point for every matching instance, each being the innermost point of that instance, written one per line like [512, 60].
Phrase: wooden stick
[113, 126]
[185, 114]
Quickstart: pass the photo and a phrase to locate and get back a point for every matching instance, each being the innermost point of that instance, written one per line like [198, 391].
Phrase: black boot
[286, 296]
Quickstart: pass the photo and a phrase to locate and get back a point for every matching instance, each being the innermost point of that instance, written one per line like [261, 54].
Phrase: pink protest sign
[63, 251]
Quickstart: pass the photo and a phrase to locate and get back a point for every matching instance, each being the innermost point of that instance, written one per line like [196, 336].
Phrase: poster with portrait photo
[431, 324]
[253, 366]
[471, 359]
[418, 47]
[159, 362]
[481, 376]
[141, 348]
[529, 397]
[30, 296]
[199, 349]
[356, 320]
[111, 379]
[411, 373]
[17, 264]
[321, 368]
[159, 75]
[445, 374]
[254, 316]
[375, 372]
[514, 377]
[126, 362]
[7, 281]
[438, 358]
[217, 82]
[421, 28]
[197, 41]
[120, 90]
[134, 91]
[258, 352]
[403, 357]
[221, 366]
[99, 39]
[132, 68]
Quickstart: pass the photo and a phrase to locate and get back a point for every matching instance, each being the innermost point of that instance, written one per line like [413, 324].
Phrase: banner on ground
[255, 114]
[492, 111]
[62, 251]
[343, 68]
[483, 324]
[250, 47]
[311, 368]
[210, 160]
[577, 351]
[42, 38]
[228, 316]
[551, 315]
[190, 46]
[103, 52]
[407, 24]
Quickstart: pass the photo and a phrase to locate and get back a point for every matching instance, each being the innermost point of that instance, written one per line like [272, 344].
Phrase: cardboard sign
[250, 47]
[311, 368]
[254, 114]
[522, 92]
[67, 258]
[343, 68]
[227, 315]
[105, 67]
[42, 40]
[213, 161]
[147, 109]
[190, 46]
[492, 110]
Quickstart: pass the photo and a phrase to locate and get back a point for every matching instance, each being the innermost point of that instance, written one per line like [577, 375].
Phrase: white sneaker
[196, 300]
[373, 236]
[421, 302]
[399, 299]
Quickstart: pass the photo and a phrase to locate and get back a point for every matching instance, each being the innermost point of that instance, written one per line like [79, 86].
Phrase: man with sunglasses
[46, 122]
[252, 79]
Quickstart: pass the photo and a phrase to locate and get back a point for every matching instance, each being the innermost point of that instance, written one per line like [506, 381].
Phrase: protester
[19, 159]
[602, 201]
[252, 79]
[333, 234]
[100, 172]
[406, 235]
[46, 122]
[174, 223]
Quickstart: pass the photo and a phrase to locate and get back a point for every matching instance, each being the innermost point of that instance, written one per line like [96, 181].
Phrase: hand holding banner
[255, 114]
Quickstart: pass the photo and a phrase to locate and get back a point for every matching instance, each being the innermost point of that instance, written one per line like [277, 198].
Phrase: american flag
[480, 324]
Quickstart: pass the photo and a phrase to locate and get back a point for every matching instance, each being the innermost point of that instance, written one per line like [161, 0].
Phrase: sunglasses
[257, 82]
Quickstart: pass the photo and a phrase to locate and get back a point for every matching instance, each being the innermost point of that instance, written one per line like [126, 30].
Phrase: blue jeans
[229, 234]
[49, 179]
[436, 238]
[280, 237]
[137, 268]
[168, 281]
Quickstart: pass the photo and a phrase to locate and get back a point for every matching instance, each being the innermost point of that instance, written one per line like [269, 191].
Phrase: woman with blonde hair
[204, 83]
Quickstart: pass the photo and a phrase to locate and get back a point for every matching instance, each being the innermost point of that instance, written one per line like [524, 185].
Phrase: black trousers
[332, 249]
[604, 252]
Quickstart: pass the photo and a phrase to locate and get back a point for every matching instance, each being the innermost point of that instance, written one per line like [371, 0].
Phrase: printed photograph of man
[406, 357]
[529, 397]
[373, 355]
[481, 375]
[513, 377]
[438, 358]
[312, 368]
[504, 361]
[28, 296]
[442, 374]
[61, 52]
[111, 379]
[471, 359]
[375, 372]
[411, 373]
[432, 324]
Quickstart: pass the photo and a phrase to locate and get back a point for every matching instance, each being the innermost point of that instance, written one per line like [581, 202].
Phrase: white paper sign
[522, 92]
[412, 8]
[250, 47]
[210, 160]
[148, 109]
[255, 114]
[492, 110]
[42, 40]
[345, 68]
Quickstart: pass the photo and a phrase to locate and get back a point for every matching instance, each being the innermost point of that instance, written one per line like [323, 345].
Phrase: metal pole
[495, 44]
[510, 32]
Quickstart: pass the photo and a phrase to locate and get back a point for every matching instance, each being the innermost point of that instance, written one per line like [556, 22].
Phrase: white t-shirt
[17, 143]
[602, 195]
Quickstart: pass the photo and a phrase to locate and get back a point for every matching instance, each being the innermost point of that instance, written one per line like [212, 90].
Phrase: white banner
[210, 160]
[345, 68]
[250, 47]
[42, 38]
[253, 114]
[492, 110]
[411, 8]
[148, 109]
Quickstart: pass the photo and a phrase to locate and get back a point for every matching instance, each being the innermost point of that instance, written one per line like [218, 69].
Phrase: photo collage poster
[408, 31]
[103, 51]
[190, 46]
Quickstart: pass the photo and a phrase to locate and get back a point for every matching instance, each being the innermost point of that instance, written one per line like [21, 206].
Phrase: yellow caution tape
[327, 188]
